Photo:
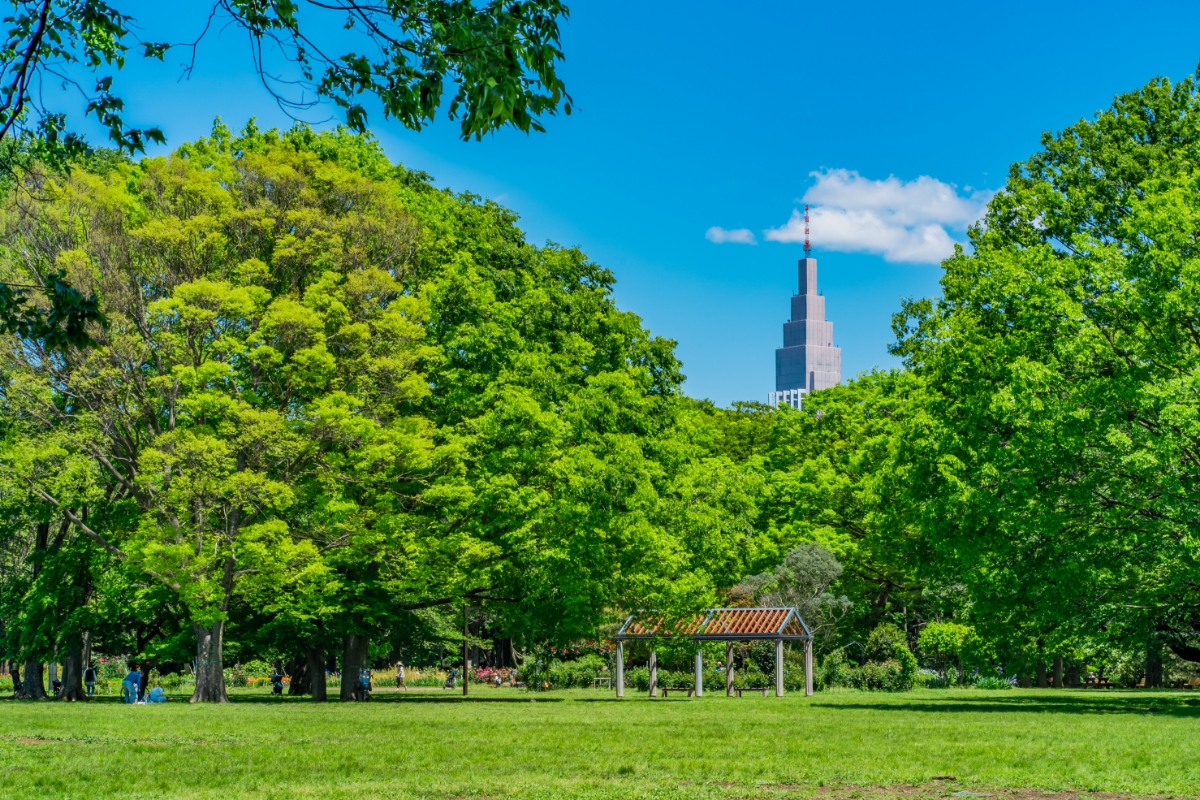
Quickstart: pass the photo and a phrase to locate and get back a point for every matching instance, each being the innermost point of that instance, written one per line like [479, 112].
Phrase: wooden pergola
[729, 625]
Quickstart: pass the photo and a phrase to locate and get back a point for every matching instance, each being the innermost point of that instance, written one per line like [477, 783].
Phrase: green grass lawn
[585, 744]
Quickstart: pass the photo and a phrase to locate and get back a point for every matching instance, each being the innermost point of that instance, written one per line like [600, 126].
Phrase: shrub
[834, 671]
[883, 641]
[578, 674]
[257, 668]
[931, 679]
[174, 680]
[892, 675]
[891, 666]
[750, 677]
[992, 682]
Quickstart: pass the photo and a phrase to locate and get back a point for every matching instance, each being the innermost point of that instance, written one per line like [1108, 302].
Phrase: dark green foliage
[884, 641]
[890, 665]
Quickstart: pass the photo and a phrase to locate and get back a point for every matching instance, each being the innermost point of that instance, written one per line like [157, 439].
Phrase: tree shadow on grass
[1125, 703]
[381, 700]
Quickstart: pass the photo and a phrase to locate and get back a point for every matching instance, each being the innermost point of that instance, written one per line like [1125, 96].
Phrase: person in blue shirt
[131, 686]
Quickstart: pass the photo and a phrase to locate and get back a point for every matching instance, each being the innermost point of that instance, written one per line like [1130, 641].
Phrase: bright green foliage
[501, 59]
[1055, 474]
[330, 396]
[827, 477]
[944, 642]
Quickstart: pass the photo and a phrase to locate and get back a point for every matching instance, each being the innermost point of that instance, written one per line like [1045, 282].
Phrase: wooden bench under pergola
[729, 625]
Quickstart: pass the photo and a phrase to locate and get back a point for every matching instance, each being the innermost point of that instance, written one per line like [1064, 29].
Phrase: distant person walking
[89, 680]
[400, 684]
[131, 685]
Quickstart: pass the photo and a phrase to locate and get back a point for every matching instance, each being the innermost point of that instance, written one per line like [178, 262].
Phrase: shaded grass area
[581, 744]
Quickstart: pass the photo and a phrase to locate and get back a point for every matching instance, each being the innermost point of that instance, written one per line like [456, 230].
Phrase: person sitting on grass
[89, 680]
[156, 695]
[131, 685]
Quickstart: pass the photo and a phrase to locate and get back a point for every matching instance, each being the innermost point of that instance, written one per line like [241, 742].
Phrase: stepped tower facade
[808, 359]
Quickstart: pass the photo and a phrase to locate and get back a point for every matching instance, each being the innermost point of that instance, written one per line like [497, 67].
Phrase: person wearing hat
[400, 684]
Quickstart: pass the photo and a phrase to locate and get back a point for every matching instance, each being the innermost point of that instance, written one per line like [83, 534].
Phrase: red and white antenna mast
[807, 246]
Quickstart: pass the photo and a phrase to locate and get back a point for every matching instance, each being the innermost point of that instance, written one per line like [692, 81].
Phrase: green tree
[499, 58]
[1055, 473]
[332, 397]
[206, 402]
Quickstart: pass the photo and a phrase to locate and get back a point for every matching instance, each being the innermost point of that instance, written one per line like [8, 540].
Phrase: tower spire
[807, 246]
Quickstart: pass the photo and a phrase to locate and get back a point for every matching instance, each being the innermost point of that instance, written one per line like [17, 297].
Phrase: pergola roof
[735, 624]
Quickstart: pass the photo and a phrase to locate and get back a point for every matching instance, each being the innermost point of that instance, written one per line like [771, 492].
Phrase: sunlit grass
[585, 744]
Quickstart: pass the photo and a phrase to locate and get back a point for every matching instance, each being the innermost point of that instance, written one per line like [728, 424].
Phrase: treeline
[332, 412]
[336, 414]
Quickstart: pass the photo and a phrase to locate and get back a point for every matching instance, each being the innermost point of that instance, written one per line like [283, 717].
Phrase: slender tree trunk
[354, 658]
[466, 651]
[32, 685]
[316, 672]
[1154, 664]
[1058, 672]
[72, 678]
[210, 668]
[299, 674]
[1041, 675]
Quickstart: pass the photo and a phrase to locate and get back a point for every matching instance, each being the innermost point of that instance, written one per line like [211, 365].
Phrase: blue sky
[895, 120]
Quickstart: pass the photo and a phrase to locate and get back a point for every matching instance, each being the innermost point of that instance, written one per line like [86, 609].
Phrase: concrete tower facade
[808, 360]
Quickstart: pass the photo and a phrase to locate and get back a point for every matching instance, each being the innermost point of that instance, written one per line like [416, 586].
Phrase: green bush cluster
[890, 667]
[577, 674]
[990, 682]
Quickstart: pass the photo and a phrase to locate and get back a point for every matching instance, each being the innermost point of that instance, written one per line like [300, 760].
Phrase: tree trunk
[72, 678]
[354, 658]
[1041, 675]
[32, 685]
[1071, 676]
[316, 673]
[1058, 672]
[1154, 664]
[210, 668]
[298, 672]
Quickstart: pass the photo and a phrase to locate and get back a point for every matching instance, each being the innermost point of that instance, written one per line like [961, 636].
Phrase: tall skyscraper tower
[808, 360]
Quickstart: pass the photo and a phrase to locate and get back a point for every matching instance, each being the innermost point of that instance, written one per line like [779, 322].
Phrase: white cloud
[902, 221]
[738, 236]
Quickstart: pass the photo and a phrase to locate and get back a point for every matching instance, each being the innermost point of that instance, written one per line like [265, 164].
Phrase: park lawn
[585, 744]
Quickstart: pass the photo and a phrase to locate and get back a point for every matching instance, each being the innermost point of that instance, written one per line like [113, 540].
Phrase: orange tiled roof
[718, 623]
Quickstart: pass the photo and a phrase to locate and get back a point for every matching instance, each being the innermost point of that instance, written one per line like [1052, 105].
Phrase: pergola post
[808, 667]
[653, 671]
[700, 672]
[620, 669]
[779, 668]
[729, 669]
